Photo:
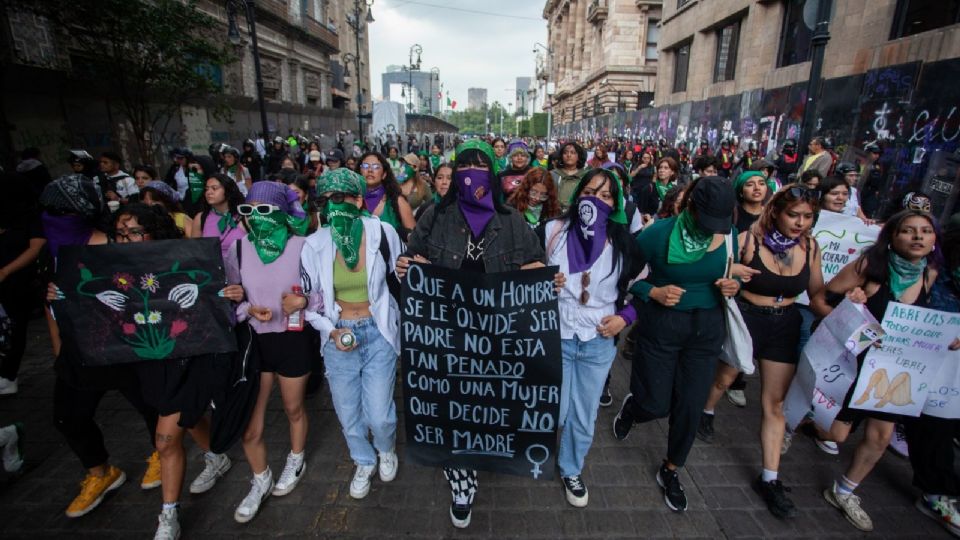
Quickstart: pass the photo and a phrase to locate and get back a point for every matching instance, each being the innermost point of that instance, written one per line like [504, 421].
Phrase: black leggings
[73, 415]
[18, 309]
[930, 440]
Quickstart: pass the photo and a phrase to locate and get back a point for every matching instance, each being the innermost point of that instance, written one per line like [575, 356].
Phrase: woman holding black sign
[682, 322]
[471, 229]
[593, 247]
[347, 263]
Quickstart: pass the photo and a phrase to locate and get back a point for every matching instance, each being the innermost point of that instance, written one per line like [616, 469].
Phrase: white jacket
[317, 258]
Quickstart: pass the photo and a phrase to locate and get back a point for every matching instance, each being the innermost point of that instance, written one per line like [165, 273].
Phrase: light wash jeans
[585, 368]
[361, 384]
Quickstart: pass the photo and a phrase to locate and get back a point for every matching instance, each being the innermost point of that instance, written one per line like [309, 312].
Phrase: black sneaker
[576, 490]
[460, 510]
[774, 494]
[606, 399]
[673, 493]
[623, 421]
[705, 429]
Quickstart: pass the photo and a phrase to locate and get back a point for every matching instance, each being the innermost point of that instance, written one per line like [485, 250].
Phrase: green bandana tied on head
[195, 185]
[268, 234]
[343, 218]
[486, 149]
[618, 215]
[688, 242]
[662, 188]
[746, 176]
[903, 273]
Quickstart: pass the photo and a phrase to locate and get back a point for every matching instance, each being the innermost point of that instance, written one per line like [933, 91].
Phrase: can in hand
[347, 339]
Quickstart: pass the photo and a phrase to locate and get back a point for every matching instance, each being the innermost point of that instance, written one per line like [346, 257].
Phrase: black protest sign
[144, 301]
[481, 369]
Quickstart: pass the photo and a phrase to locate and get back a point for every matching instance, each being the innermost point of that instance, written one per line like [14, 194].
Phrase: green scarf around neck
[269, 233]
[346, 227]
[688, 243]
[903, 273]
[532, 213]
[662, 188]
[225, 221]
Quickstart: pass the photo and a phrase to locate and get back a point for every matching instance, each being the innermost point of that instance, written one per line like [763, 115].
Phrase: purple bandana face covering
[586, 238]
[475, 198]
[373, 196]
[69, 230]
[778, 243]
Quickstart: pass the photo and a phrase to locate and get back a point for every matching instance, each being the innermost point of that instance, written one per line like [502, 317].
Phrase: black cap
[713, 199]
[334, 154]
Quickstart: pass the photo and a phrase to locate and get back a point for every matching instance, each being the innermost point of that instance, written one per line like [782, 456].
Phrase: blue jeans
[361, 384]
[585, 368]
[807, 318]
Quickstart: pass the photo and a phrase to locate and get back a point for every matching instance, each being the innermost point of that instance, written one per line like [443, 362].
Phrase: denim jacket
[441, 236]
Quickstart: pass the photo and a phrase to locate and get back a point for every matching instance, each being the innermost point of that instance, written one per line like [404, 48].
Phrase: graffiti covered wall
[912, 110]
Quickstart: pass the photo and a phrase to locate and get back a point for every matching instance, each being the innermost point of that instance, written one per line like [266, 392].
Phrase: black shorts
[181, 385]
[775, 332]
[288, 354]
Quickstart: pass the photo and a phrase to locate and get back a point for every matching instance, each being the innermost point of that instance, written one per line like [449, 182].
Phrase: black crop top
[773, 285]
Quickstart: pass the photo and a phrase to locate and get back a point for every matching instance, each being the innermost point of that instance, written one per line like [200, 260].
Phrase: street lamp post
[548, 99]
[410, 67]
[233, 34]
[356, 26]
[434, 74]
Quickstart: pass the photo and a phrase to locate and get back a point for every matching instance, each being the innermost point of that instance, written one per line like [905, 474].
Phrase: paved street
[624, 500]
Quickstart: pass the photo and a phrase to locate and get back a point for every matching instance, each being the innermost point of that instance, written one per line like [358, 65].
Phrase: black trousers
[18, 309]
[930, 440]
[74, 410]
[674, 364]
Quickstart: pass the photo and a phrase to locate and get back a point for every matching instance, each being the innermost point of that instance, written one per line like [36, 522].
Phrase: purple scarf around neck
[778, 243]
[587, 237]
[69, 230]
[373, 197]
[475, 198]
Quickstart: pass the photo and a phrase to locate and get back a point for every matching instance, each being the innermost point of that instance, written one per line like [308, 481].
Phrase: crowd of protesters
[651, 264]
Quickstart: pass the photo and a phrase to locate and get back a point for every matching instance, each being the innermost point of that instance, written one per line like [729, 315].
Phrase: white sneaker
[850, 506]
[828, 447]
[12, 437]
[250, 505]
[291, 475]
[388, 466]
[360, 485]
[7, 387]
[216, 466]
[168, 526]
[737, 397]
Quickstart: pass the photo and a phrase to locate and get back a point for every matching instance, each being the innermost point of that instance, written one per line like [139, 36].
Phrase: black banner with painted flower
[144, 301]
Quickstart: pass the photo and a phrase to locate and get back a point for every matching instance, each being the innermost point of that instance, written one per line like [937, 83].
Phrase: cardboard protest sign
[828, 364]
[144, 301]
[897, 378]
[841, 239]
[943, 400]
[480, 357]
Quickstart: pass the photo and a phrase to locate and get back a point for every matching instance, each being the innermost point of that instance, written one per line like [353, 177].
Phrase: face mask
[585, 241]
[268, 234]
[346, 229]
[475, 198]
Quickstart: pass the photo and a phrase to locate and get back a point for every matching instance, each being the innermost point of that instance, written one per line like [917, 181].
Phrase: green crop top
[349, 286]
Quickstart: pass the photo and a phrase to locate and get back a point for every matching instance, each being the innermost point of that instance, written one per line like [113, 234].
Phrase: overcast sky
[472, 50]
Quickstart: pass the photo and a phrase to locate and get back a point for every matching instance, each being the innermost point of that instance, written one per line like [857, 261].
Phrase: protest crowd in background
[697, 265]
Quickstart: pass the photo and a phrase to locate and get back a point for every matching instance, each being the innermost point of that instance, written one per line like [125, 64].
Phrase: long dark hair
[160, 197]
[154, 219]
[390, 185]
[877, 257]
[619, 235]
[473, 158]
[581, 154]
[232, 193]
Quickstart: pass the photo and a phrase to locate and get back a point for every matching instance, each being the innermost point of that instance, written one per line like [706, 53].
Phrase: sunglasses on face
[261, 209]
[800, 192]
[370, 166]
[321, 201]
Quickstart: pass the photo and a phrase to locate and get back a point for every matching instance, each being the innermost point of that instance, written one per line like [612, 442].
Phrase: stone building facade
[602, 55]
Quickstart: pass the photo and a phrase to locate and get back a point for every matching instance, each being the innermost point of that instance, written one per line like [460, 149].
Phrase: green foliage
[152, 56]
[473, 121]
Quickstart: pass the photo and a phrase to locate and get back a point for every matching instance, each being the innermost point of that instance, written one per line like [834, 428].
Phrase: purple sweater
[264, 284]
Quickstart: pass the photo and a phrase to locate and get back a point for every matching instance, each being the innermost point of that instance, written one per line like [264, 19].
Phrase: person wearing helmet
[216, 152]
[788, 162]
[82, 163]
[275, 156]
[748, 158]
[703, 149]
[251, 160]
[874, 176]
[233, 168]
[851, 175]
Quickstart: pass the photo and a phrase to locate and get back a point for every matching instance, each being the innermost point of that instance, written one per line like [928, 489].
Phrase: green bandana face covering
[688, 242]
[532, 213]
[903, 273]
[268, 234]
[195, 185]
[346, 229]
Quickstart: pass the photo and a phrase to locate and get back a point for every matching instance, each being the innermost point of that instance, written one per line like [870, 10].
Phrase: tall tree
[150, 56]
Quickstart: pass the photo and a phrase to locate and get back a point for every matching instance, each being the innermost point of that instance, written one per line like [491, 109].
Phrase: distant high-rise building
[521, 105]
[476, 97]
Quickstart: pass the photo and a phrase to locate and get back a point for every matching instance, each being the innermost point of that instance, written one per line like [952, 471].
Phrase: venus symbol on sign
[536, 464]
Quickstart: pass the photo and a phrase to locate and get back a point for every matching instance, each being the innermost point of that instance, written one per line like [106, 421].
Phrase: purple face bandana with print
[586, 238]
[371, 199]
[475, 198]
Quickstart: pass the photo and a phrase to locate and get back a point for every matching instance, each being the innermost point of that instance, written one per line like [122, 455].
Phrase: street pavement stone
[624, 499]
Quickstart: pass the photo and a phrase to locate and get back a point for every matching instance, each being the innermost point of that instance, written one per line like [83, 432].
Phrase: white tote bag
[737, 346]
